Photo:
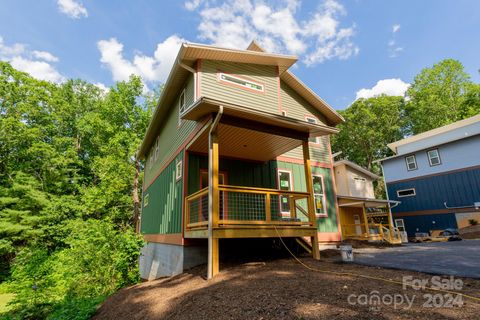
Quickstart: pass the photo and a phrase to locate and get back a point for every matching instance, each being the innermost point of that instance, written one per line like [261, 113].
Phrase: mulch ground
[282, 289]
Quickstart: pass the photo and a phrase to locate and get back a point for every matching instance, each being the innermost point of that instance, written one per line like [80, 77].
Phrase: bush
[69, 283]
[472, 222]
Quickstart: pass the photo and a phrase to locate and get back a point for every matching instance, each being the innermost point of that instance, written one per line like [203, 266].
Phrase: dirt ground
[284, 289]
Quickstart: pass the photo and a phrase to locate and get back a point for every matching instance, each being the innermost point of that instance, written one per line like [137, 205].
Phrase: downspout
[212, 132]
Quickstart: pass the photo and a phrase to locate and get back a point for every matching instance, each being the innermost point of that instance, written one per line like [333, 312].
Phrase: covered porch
[367, 219]
[216, 209]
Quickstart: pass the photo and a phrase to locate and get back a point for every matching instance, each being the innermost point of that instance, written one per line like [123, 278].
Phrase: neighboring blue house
[436, 176]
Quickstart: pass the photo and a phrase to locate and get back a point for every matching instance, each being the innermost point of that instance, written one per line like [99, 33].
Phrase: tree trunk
[136, 198]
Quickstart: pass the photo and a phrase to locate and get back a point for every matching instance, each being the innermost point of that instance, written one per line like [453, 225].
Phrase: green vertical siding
[163, 214]
[319, 153]
[171, 135]
[325, 224]
[266, 75]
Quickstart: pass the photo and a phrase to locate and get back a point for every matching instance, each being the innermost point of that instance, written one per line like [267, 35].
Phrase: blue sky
[346, 49]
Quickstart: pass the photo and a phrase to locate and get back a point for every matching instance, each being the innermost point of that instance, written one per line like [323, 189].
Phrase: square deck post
[365, 221]
[311, 203]
[213, 205]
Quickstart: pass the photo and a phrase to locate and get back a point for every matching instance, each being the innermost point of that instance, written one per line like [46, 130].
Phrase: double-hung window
[411, 162]
[319, 194]
[433, 157]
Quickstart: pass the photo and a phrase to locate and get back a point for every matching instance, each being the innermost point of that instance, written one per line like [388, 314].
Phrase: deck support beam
[365, 220]
[213, 197]
[311, 202]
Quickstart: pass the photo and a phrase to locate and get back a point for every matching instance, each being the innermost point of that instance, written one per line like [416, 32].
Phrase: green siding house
[238, 147]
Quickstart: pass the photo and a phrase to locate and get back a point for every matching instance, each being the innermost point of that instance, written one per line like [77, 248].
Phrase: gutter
[475, 205]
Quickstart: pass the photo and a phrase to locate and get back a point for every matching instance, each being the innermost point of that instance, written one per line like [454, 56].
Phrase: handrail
[272, 191]
[269, 212]
[197, 194]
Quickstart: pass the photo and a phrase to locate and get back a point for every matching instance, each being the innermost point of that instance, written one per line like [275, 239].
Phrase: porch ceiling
[244, 143]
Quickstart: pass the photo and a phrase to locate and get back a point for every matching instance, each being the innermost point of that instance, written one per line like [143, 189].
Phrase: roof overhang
[205, 106]
[188, 54]
[357, 168]
[358, 202]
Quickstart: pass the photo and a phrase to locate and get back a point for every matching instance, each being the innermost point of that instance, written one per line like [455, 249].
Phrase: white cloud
[36, 63]
[44, 55]
[151, 68]
[192, 5]
[393, 48]
[72, 8]
[389, 87]
[276, 27]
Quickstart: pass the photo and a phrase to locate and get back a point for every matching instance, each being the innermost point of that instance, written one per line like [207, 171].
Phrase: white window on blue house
[434, 157]
[406, 193]
[411, 163]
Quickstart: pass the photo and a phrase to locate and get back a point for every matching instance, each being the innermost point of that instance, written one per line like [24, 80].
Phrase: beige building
[362, 217]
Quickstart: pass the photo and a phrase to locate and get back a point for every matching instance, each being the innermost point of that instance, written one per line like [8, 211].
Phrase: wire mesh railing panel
[198, 209]
[243, 206]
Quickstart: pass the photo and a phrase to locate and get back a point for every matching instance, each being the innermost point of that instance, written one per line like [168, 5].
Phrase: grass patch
[5, 298]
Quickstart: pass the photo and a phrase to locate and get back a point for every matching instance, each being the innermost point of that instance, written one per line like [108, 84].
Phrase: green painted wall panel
[267, 75]
[171, 135]
[163, 215]
[325, 224]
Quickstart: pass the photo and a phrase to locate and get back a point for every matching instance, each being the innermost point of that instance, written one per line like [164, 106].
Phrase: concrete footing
[164, 260]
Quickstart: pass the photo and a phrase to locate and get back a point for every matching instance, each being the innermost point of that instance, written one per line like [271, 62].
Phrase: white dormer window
[411, 162]
[241, 82]
[181, 106]
[434, 157]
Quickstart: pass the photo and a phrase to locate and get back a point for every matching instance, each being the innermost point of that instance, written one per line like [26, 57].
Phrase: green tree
[370, 124]
[440, 95]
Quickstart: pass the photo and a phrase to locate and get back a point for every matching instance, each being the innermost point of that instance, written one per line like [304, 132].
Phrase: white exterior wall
[456, 155]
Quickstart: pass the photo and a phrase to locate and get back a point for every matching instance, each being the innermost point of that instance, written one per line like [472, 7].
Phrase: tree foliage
[369, 125]
[67, 162]
[441, 95]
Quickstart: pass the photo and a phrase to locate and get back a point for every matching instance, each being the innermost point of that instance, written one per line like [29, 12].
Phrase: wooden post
[213, 205]
[390, 223]
[365, 220]
[311, 203]
[268, 209]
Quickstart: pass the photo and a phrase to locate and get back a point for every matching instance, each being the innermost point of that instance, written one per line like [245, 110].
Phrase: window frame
[414, 161]
[290, 181]
[398, 227]
[179, 170]
[317, 140]
[324, 197]
[430, 158]
[409, 195]
[240, 79]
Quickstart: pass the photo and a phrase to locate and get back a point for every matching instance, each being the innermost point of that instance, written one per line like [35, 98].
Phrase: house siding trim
[434, 175]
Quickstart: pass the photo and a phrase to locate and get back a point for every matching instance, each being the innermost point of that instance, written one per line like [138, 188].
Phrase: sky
[346, 49]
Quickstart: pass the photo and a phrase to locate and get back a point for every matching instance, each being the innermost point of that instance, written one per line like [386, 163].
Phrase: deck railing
[376, 231]
[249, 206]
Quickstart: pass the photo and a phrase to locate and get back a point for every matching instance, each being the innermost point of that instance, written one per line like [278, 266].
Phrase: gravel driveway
[458, 258]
